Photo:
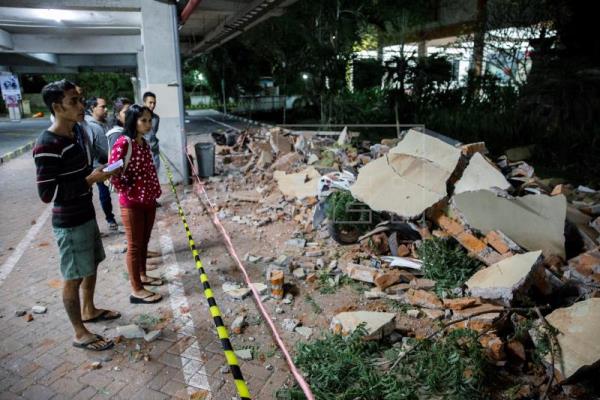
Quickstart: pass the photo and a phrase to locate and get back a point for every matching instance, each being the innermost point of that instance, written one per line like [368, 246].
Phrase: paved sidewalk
[37, 360]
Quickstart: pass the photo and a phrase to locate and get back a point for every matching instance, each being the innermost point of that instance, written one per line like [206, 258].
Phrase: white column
[161, 62]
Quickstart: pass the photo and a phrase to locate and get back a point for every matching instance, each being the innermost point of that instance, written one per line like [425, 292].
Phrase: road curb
[15, 153]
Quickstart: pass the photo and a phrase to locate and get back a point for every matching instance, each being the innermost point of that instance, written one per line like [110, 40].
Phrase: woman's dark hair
[134, 113]
[54, 92]
[118, 105]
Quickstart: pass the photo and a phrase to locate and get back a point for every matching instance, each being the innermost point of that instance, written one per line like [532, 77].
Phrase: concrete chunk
[361, 273]
[504, 279]
[480, 174]
[377, 324]
[578, 338]
[410, 178]
[300, 185]
[130, 331]
[586, 266]
[534, 222]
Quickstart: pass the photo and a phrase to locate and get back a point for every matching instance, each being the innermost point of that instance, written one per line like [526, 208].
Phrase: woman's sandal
[145, 300]
[97, 343]
[153, 282]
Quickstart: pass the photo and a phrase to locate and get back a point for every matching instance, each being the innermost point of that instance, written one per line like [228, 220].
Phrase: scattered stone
[251, 258]
[224, 369]
[461, 303]
[320, 263]
[289, 324]
[297, 242]
[288, 299]
[261, 288]
[244, 354]
[403, 250]
[28, 317]
[433, 314]
[422, 298]
[237, 326]
[304, 331]
[413, 313]
[130, 331]
[117, 248]
[361, 273]
[269, 367]
[20, 313]
[96, 365]
[314, 253]
[516, 348]
[578, 327]
[282, 261]
[387, 279]
[39, 309]
[279, 310]
[586, 266]
[422, 283]
[494, 346]
[377, 324]
[374, 293]
[299, 273]
[235, 291]
[506, 279]
[476, 321]
[312, 277]
[152, 335]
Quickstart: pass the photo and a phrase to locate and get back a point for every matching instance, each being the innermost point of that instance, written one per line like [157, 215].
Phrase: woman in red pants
[138, 189]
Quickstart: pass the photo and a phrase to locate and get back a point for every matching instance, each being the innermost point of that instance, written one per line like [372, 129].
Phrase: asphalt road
[16, 134]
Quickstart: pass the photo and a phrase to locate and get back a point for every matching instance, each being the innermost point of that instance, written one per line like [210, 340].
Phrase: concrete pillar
[162, 66]
[422, 49]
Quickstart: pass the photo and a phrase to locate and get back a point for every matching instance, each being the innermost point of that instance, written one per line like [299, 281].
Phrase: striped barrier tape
[230, 356]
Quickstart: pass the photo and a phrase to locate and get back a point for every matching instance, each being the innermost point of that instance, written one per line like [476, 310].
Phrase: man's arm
[47, 163]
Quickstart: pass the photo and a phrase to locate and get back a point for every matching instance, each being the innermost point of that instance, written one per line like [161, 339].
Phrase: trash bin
[205, 158]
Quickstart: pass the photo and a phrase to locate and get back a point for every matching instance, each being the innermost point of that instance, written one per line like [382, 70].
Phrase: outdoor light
[305, 76]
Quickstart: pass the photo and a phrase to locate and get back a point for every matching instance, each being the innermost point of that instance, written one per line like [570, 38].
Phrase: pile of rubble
[537, 240]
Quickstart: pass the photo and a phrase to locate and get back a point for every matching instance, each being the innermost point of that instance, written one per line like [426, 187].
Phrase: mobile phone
[111, 167]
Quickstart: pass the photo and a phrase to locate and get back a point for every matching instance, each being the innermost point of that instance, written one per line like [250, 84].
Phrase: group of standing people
[70, 157]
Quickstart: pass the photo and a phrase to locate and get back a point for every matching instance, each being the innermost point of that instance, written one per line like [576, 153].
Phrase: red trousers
[138, 224]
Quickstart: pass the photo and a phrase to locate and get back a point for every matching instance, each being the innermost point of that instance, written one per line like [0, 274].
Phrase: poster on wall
[9, 84]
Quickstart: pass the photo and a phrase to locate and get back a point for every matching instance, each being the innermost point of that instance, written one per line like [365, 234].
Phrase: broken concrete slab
[300, 185]
[377, 324]
[152, 335]
[251, 196]
[534, 222]
[387, 279]
[410, 178]
[285, 163]
[578, 325]
[479, 318]
[507, 278]
[461, 303]
[480, 174]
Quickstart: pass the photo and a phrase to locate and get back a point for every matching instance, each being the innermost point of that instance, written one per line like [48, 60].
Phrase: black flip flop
[92, 345]
[103, 316]
[142, 300]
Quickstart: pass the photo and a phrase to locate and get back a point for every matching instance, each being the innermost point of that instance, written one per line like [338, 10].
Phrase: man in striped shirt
[65, 175]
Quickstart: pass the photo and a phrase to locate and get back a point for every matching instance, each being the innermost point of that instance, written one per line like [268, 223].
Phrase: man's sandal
[145, 300]
[97, 343]
[105, 315]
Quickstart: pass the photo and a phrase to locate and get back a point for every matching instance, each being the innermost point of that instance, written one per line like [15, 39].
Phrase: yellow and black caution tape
[240, 383]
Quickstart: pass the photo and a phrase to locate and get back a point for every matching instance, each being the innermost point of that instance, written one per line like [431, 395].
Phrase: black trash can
[205, 159]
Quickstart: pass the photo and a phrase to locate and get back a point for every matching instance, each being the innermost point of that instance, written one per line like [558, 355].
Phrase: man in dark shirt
[64, 174]
[149, 99]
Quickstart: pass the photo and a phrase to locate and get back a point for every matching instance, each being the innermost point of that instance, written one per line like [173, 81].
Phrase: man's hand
[98, 175]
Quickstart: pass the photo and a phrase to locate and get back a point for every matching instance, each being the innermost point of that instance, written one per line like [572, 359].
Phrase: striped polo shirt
[62, 165]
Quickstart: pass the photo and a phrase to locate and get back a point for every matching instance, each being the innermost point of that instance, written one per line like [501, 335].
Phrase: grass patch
[343, 368]
[447, 264]
[316, 308]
